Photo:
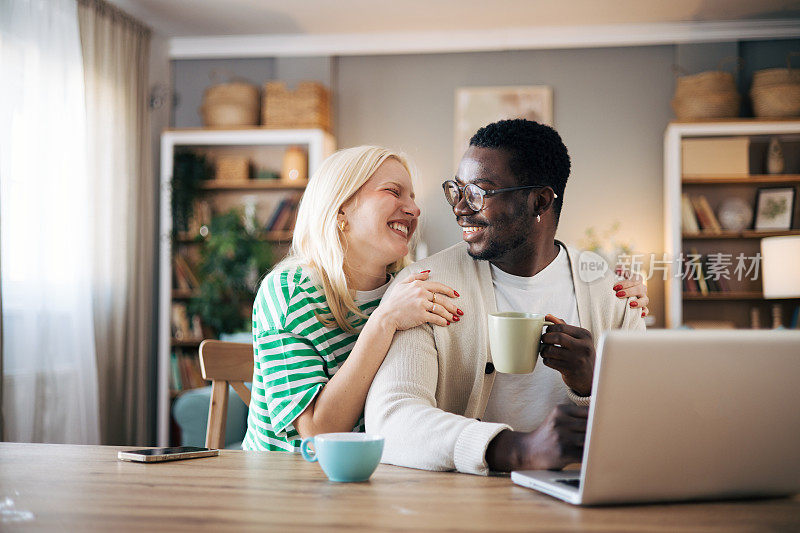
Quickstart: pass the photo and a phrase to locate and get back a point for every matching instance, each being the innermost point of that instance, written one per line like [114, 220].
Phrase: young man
[437, 399]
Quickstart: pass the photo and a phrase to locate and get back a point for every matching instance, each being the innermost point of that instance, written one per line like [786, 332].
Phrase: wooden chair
[224, 363]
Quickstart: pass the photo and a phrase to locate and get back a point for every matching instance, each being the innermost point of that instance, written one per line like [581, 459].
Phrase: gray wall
[611, 106]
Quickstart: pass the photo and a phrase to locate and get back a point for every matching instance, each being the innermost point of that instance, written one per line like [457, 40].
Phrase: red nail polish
[642, 315]
[456, 293]
[460, 312]
[620, 293]
[424, 271]
[455, 318]
[448, 323]
[617, 287]
[634, 304]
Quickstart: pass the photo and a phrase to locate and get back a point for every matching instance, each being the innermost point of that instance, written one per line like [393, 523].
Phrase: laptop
[687, 415]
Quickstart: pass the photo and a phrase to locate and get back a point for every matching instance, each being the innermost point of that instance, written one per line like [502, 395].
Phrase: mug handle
[548, 323]
[308, 455]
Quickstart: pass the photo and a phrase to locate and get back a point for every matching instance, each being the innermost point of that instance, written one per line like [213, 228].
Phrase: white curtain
[50, 386]
[115, 60]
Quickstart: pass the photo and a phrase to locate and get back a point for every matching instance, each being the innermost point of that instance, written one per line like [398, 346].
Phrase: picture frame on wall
[774, 208]
[479, 106]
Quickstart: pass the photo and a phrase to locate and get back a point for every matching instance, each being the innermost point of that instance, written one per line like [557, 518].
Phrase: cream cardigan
[429, 395]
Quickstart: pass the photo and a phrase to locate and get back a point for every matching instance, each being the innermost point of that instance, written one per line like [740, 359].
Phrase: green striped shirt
[294, 355]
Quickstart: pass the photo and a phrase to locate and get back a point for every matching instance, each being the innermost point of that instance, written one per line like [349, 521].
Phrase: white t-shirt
[523, 401]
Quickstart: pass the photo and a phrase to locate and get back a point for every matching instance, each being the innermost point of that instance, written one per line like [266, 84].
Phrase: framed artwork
[479, 106]
[774, 208]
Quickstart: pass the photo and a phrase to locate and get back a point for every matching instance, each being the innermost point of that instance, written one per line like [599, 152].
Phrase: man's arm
[401, 406]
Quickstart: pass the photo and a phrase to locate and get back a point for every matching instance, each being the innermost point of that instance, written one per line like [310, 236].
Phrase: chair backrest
[224, 363]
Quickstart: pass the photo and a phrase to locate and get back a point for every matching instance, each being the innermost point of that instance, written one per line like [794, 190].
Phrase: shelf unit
[723, 305]
[318, 145]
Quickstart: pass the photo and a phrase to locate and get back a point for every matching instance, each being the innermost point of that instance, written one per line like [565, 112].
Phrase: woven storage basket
[232, 168]
[776, 101]
[232, 104]
[776, 91]
[706, 95]
[707, 105]
[308, 106]
[777, 76]
[705, 82]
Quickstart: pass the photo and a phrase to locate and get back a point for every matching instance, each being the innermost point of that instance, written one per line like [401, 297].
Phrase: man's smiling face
[504, 222]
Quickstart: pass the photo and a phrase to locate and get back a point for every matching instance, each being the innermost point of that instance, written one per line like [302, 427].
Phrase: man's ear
[541, 201]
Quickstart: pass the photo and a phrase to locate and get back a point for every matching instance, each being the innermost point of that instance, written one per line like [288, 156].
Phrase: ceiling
[200, 18]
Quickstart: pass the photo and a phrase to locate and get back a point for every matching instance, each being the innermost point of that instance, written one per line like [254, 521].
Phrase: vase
[295, 165]
[775, 161]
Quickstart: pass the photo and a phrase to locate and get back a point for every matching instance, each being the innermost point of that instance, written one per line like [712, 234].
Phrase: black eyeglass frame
[483, 193]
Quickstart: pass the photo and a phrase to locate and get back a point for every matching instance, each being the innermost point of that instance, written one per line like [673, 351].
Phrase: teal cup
[344, 457]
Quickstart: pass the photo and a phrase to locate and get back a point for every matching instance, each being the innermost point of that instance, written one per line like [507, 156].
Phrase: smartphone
[155, 455]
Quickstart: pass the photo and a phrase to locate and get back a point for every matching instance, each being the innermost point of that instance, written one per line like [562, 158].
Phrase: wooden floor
[85, 488]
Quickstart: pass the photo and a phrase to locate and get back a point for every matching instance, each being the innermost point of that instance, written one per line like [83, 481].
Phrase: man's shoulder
[454, 256]
[598, 278]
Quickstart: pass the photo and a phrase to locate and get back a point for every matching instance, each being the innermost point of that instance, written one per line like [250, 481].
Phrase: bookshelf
[736, 302]
[263, 148]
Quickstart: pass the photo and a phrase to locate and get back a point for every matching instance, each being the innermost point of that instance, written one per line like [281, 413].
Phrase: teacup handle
[308, 455]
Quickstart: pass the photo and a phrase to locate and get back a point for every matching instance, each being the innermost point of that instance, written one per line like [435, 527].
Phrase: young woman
[320, 327]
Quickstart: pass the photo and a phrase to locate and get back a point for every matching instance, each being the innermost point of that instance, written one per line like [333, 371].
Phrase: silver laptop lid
[683, 414]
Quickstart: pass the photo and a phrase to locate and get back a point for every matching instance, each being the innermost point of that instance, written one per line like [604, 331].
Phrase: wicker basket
[776, 101]
[777, 76]
[707, 105]
[706, 82]
[232, 104]
[232, 168]
[308, 106]
[706, 95]
[776, 91]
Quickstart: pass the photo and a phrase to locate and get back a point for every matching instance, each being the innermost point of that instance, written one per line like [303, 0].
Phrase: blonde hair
[318, 244]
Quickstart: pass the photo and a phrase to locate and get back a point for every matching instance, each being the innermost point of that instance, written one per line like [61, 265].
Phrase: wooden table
[85, 488]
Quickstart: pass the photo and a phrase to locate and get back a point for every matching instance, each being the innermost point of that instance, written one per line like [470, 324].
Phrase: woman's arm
[338, 406]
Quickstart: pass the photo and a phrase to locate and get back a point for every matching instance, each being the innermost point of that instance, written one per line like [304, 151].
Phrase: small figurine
[775, 161]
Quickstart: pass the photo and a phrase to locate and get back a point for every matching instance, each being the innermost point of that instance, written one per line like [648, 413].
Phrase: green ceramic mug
[514, 340]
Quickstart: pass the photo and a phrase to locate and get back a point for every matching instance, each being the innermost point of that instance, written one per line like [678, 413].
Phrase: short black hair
[538, 155]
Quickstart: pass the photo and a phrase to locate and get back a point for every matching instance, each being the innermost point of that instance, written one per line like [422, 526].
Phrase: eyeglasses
[474, 195]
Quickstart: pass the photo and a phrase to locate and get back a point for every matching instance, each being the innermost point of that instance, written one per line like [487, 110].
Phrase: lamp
[780, 270]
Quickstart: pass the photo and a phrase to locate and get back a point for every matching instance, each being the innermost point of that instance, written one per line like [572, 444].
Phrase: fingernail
[460, 312]
[448, 323]
[456, 293]
[455, 318]
[617, 287]
[620, 293]
[642, 315]
[634, 304]
[424, 271]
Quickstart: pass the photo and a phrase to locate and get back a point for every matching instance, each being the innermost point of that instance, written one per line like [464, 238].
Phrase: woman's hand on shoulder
[415, 301]
[633, 287]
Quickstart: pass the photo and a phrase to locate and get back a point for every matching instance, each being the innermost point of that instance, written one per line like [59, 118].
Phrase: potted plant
[189, 170]
[232, 261]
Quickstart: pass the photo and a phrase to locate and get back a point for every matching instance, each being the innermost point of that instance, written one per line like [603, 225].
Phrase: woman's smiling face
[381, 217]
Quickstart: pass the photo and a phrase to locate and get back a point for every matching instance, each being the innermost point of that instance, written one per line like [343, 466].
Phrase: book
[688, 217]
[175, 372]
[181, 329]
[187, 274]
[701, 276]
[271, 222]
[708, 221]
[283, 217]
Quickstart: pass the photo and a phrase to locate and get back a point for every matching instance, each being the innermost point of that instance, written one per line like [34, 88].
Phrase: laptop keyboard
[571, 482]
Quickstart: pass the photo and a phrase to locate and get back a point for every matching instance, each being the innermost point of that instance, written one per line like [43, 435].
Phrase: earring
[538, 218]
[342, 225]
